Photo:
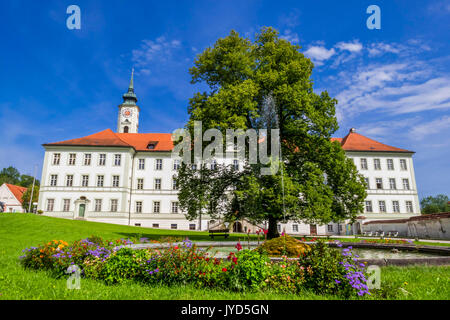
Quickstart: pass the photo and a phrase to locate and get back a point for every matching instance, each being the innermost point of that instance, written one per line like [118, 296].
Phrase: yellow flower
[405, 283]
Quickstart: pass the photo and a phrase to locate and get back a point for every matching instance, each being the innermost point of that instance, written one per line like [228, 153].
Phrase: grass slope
[18, 231]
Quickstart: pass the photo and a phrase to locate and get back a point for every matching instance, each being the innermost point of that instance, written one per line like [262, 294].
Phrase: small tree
[26, 197]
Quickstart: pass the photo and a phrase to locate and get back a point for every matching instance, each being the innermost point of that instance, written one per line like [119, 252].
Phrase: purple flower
[337, 281]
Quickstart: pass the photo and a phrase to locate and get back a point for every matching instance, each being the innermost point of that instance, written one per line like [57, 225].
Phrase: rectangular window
[114, 205]
[173, 226]
[330, 228]
[72, 159]
[66, 205]
[117, 159]
[369, 206]
[409, 207]
[140, 184]
[102, 159]
[50, 204]
[56, 159]
[395, 206]
[174, 183]
[115, 181]
[392, 184]
[155, 225]
[295, 228]
[192, 226]
[213, 165]
[100, 181]
[366, 180]
[98, 205]
[176, 164]
[379, 183]
[53, 180]
[175, 207]
[141, 164]
[87, 159]
[382, 206]
[69, 180]
[159, 164]
[403, 164]
[236, 164]
[85, 180]
[158, 184]
[138, 206]
[376, 164]
[363, 164]
[405, 184]
[390, 164]
[156, 206]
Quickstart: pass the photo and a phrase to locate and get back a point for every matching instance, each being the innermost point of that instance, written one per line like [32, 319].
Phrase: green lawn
[18, 231]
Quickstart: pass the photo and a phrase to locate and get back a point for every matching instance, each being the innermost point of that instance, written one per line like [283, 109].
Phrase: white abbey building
[126, 177]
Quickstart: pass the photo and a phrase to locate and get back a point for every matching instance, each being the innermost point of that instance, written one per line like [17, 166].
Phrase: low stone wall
[430, 226]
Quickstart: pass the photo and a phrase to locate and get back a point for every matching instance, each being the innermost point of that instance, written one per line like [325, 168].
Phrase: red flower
[235, 260]
[176, 247]
[238, 246]
[224, 269]
[265, 231]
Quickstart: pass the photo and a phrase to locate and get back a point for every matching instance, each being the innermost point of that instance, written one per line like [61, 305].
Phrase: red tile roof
[356, 142]
[17, 191]
[163, 142]
[108, 138]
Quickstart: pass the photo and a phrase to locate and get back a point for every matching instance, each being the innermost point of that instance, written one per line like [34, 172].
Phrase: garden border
[443, 259]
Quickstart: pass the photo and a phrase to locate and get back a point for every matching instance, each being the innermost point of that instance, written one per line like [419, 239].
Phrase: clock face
[126, 113]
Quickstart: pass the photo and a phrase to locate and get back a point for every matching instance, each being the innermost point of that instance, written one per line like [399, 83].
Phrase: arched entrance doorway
[81, 206]
[237, 227]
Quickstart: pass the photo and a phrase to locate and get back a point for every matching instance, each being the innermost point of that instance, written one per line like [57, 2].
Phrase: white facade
[127, 183]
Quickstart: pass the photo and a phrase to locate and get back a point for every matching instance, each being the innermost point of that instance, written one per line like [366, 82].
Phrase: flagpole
[32, 189]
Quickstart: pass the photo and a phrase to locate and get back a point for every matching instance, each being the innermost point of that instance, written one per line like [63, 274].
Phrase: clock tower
[128, 121]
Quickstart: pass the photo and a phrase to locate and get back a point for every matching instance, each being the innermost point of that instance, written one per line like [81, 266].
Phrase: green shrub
[249, 269]
[284, 245]
[333, 271]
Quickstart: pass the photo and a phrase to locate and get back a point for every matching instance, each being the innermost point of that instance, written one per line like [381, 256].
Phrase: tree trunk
[273, 229]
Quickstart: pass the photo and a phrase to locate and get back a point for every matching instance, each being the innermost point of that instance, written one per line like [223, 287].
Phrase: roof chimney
[352, 130]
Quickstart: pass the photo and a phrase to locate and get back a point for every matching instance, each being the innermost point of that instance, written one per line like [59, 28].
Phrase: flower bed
[322, 269]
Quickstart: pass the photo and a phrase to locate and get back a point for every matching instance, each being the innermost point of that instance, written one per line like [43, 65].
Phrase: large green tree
[435, 204]
[266, 83]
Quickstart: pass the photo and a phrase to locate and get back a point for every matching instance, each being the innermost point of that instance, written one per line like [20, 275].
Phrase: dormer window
[151, 145]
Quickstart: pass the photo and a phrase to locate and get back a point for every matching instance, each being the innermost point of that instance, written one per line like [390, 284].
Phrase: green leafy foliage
[437, 204]
[320, 184]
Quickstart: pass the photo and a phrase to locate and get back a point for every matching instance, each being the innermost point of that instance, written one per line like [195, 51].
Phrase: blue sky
[392, 84]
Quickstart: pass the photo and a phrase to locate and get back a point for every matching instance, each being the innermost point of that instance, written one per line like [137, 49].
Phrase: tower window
[125, 129]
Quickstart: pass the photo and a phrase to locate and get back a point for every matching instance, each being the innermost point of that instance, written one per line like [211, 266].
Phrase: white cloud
[432, 127]
[290, 36]
[318, 54]
[159, 50]
[354, 46]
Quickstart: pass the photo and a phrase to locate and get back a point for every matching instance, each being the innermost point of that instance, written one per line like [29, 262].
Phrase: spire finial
[130, 97]
[131, 80]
